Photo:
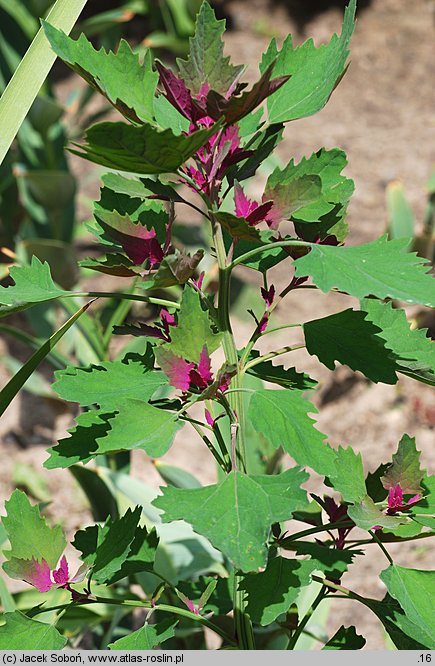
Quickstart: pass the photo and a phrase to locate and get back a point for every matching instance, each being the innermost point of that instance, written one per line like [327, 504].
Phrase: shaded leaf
[405, 634]
[143, 149]
[237, 227]
[290, 194]
[113, 264]
[414, 352]
[329, 560]
[345, 638]
[414, 590]
[381, 268]
[314, 72]
[272, 592]
[349, 338]
[277, 374]
[237, 513]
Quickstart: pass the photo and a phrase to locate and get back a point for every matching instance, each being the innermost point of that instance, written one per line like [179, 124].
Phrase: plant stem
[382, 547]
[131, 297]
[314, 530]
[264, 248]
[267, 357]
[307, 617]
[244, 631]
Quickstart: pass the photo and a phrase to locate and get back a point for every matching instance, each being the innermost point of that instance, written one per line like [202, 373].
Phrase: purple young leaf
[177, 369]
[209, 418]
[61, 575]
[243, 205]
[268, 295]
[176, 91]
[37, 574]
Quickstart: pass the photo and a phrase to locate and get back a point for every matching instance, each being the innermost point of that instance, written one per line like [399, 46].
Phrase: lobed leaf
[29, 535]
[206, 62]
[381, 268]
[272, 592]
[143, 150]
[405, 468]
[345, 638]
[127, 83]
[348, 337]
[147, 637]
[314, 72]
[269, 412]
[33, 284]
[277, 374]
[21, 633]
[236, 514]
[366, 515]
[414, 590]
[414, 352]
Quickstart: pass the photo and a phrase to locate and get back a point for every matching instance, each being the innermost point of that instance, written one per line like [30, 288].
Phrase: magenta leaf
[176, 91]
[175, 368]
[36, 574]
[61, 575]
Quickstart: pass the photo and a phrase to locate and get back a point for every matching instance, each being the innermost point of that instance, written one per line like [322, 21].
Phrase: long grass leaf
[8, 393]
[31, 73]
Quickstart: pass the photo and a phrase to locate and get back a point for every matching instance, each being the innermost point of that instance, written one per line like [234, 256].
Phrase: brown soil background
[382, 115]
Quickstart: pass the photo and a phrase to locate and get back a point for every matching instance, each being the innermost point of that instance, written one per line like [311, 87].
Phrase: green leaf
[175, 269]
[206, 62]
[269, 414]
[324, 215]
[366, 515]
[121, 78]
[236, 514]
[314, 72]
[329, 560]
[349, 338]
[237, 227]
[405, 468]
[348, 477]
[32, 71]
[414, 590]
[414, 352]
[113, 264]
[345, 638]
[219, 602]
[193, 330]
[405, 634]
[102, 501]
[272, 592]
[147, 637]
[262, 146]
[118, 548]
[381, 268]
[290, 194]
[33, 284]
[277, 374]
[135, 425]
[29, 535]
[21, 633]
[143, 149]
[108, 383]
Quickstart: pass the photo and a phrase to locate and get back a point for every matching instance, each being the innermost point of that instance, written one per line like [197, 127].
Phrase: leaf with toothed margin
[147, 637]
[127, 83]
[277, 374]
[143, 150]
[414, 352]
[349, 338]
[113, 264]
[414, 590]
[33, 284]
[345, 638]
[405, 469]
[206, 62]
[367, 515]
[107, 384]
[272, 592]
[314, 72]
[31, 539]
[236, 514]
[381, 268]
[194, 329]
[21, 633]
[269, 412]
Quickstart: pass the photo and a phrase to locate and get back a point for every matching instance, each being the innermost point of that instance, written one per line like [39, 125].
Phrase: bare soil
[382, 115]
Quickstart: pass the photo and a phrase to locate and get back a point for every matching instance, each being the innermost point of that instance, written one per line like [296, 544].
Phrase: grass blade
[8, 393]
[32, 72]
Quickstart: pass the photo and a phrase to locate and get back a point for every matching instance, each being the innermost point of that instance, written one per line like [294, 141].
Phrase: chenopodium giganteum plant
[200, 126]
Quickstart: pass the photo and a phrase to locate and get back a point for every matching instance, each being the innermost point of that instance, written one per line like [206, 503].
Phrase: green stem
[264, 248]
[118, 315]
[307, 617]
[382, 547]
[267, 357]
[131, 297]
[244, 630]
[314, 530]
